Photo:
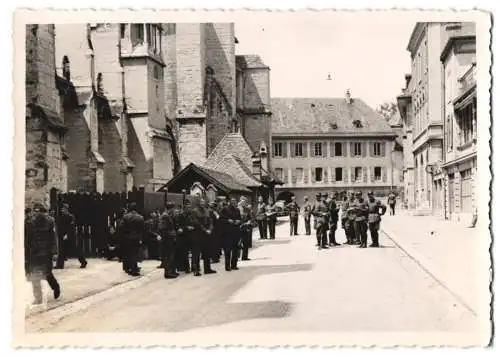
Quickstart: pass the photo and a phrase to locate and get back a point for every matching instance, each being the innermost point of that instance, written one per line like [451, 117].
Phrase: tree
[387, 110]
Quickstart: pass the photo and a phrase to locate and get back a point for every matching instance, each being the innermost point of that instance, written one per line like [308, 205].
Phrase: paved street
[288, 286]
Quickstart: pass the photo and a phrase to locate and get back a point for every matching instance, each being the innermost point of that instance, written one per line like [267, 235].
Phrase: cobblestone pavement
[288, 286]
[455, 254]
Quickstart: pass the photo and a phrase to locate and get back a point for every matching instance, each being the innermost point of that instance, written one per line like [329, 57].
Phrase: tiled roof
[232, 143]
[233, 166]
[250, 61]
[225, 179]
[306, 116]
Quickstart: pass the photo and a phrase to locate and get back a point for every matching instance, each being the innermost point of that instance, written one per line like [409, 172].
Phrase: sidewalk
[76, 283]
[454, 254]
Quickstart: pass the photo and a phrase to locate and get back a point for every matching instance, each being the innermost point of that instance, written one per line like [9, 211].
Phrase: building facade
[46, 156]
[330, 144]
[459, 168]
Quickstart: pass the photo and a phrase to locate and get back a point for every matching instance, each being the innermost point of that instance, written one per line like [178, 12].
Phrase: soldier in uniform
[334, 218]
[293, 209]
[40, 244]
[169, 229]
[391, 201]
[343, 219]
[272, 217]
[131, 232]
[307, 215]
[320, 213]
[360, 225]
[246, 227]
[182, 246]
[214, 237]
[65, 227]
[261, 218]
[351, 218]
[200, 238]
[231, 220]
[376, 209]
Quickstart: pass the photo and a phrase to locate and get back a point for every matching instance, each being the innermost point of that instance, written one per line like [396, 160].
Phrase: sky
[365, 54]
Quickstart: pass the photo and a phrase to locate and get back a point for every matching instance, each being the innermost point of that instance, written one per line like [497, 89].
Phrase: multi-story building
[330, 144]
[458, 59]
[46, 157]
[119, 135]
[425, 90]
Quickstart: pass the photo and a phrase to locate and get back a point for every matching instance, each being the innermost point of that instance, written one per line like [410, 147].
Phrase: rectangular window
[298, 149]
[358, 174]
[338, 149]
[377, 173]
[279, 173]
[122, 30]
[150, 32]
[377, 149]
[318, 149]
[278, 149]
[318, 174]
[357, 149]
[138, 34]
[338, 174]
[299, 175]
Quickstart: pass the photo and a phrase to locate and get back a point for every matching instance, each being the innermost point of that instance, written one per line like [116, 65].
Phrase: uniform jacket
[320, 212]
[167, 225]
[132, 227]
[65, 224]
[294, 209]
[230, 217]
[261, 212]
[361, 210]
[271, 213]
[375, 210]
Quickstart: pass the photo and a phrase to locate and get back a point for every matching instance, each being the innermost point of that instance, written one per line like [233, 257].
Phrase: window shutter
[325, 174]
[352, 149]
[363, 149]
[372, 174]
[384, 174]
[353, 176]
[372, 148]
[285, 176]
[313, 176]
[365, 175]
[344, 149]
[294, 176]
[285, 147]
[332, 148]
[344, 173]
[306, 176]
[324, 149]
[332, 176]
[292, 149]
[304, 149]
[382, 149]
[311, 149]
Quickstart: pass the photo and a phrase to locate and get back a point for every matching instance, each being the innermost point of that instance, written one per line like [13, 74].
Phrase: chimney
[348, 96]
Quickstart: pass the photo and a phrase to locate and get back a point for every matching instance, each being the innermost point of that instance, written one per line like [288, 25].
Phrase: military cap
[305, 198]
[359, 193]
[318, 194]
[370, 193]
[325, 194]
[170, 205]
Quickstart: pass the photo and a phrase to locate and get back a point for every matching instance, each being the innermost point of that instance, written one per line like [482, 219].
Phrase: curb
[49, 318]
[428, 267]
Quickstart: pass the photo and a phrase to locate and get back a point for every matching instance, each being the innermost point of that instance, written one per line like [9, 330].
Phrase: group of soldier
[358, 216]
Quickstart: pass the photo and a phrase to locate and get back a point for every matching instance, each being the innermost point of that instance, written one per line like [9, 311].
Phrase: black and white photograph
[252, 178]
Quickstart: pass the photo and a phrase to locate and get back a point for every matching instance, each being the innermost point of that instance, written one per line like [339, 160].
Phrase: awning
[465, 99]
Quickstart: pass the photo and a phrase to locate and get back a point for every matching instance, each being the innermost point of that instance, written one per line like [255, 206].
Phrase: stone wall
[110, 149]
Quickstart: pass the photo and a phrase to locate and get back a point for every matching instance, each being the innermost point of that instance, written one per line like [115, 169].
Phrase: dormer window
[357, 123]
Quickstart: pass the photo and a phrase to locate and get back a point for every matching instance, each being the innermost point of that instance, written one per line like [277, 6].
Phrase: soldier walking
[131, 232]
[320, 213]
[307, 215]
[293, 209]
[169, 229]
[334, 219]
[230, 218]
[375, 210]
[272, 218]
[391, 201]
[261, 218]
[360, 225]
[40, 244]
[65, 228]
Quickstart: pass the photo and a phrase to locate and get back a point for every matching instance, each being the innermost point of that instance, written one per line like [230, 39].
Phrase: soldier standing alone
[391, 201]
[375, 210]
[307, 215]
[294, 210]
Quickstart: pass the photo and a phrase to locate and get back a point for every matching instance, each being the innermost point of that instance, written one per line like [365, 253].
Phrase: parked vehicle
[281, 208]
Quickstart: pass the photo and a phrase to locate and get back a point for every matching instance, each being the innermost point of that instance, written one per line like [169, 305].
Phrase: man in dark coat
[272, 218]
[307, 215]
[375, 210]
[169, 229]
[293, 209]
[333, 212]
[131, 232]
[215, 235]
[230, 218]
[261, 218]
[183, 246]
[200, 238]
[320, 213]
[40, 245]
[66, 235]
[246, 228]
